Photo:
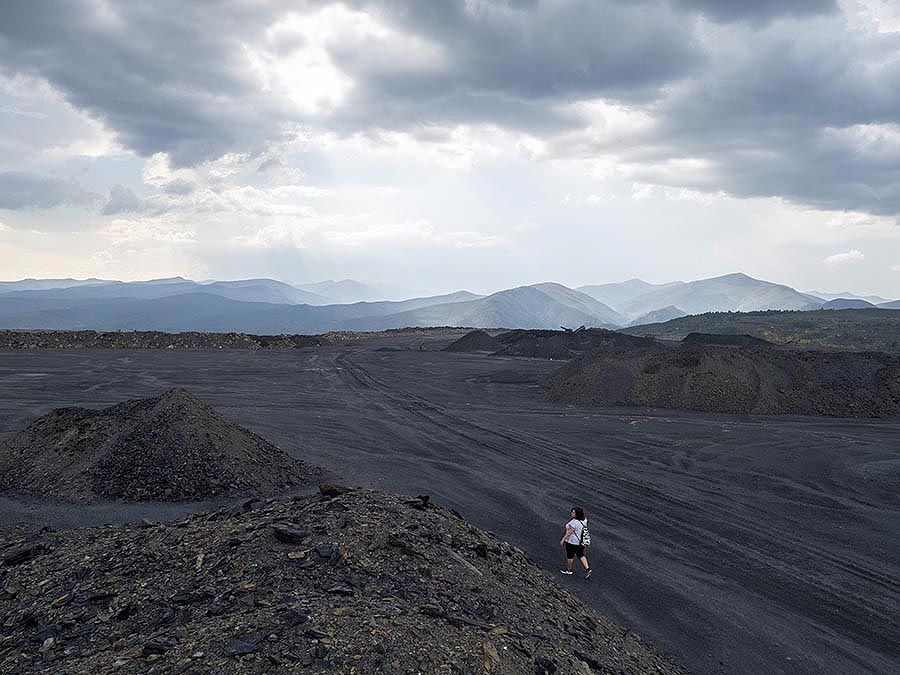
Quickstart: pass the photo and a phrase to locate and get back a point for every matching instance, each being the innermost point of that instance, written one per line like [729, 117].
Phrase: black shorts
[574, 551]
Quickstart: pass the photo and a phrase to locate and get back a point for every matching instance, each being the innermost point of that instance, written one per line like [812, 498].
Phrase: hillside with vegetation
[854, 329]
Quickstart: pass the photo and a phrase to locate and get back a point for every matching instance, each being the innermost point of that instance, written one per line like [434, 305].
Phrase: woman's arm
[569, 532]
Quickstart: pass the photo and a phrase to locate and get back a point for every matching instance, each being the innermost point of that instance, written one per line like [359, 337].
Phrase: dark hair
[579, 512]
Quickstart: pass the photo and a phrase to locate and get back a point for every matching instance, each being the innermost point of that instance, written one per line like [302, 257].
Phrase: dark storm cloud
[174, 77]
[759, 11]
[775, 98]
[165, 76]
[20, 190]
[810, 116]
[511, 64]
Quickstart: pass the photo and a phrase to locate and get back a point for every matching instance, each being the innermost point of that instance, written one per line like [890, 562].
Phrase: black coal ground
[737, 544]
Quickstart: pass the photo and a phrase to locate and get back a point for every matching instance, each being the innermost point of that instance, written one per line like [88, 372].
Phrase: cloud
[179, 186]
[121, 200]
[852, 255]
[9, 110]
[165, 77]
[795, 100]
[200, 81]
[805, 111]
[512, 64]
[757, 11]
[127, 232]
[22, 190]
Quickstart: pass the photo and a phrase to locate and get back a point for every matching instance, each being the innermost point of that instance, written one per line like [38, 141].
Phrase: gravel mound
[149, 339]
[353, 582]
[475, 341]
[557, 344]
[707, 378]
[172, 447]
[694, 339]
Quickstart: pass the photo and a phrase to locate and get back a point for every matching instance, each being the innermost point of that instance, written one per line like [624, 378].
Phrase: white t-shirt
[577, 525]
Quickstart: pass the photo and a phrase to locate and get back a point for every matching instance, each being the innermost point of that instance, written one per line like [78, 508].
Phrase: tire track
[753, 554]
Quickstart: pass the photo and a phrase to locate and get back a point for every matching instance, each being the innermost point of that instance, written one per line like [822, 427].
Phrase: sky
[470, 144]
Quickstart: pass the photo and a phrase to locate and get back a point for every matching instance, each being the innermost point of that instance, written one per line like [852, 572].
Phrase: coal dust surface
[736, 543]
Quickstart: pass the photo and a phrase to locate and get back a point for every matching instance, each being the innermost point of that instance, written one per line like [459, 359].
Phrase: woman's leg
[570, 556]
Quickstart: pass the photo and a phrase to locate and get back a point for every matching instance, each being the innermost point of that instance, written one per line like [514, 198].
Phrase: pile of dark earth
[694, 339]
[89, 339]
[350, 581]
[548, 344]
[753, 380]
[171, 447]
[474, 341]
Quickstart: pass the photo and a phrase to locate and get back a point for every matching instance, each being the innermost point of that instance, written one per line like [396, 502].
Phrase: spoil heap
[148, 339]
[358, 582]
[474, 341]
[765, 380]
[694, 339]
[556, 344]
[172, 447]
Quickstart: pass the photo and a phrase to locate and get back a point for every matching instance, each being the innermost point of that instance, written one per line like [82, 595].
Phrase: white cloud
[125, 232]
[598, 198]
[419, 228]
[466, 239]
[852, 255]
[277, 235]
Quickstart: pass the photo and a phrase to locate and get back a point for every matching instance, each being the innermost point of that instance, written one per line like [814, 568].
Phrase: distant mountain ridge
[267, 306]
[731, 292]
[344, 292]
[874, 299]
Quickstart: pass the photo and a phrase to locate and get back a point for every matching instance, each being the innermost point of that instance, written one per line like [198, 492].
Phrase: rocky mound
[557, 344]
[735, 380]
[172, 447]
[694, 339]
[475, 341]
[360, 582]
[90, 339]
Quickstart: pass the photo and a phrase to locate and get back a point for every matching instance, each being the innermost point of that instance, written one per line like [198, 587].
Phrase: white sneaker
[565, 571]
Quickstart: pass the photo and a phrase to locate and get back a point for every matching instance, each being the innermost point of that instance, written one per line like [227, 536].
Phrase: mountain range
[266, 306]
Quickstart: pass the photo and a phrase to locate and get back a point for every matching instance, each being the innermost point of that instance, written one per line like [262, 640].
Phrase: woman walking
[574, 540]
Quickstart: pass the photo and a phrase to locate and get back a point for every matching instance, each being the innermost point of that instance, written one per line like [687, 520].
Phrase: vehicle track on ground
[752, 556]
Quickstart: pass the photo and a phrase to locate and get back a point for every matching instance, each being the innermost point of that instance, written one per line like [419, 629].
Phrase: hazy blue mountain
[44, 284]
[659, 316]
[848, 303]
[544, 306]
[547, 306]
[874, 299]
[581, 301]
[731, 292]
[268, 306]
[264, 290]
[344, 292]
[617, 294]
[248, 290]
[893, 304]
[201, 312]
